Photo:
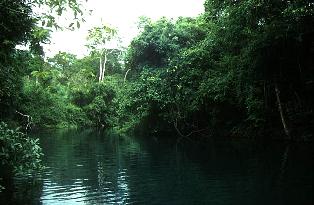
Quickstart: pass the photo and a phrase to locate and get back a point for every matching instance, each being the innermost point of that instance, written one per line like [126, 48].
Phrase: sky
[122, 14]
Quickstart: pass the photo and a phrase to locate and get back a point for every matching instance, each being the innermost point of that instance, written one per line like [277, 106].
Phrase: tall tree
[102, 41]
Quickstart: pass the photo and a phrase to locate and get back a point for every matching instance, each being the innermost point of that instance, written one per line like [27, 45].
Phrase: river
[92, 167]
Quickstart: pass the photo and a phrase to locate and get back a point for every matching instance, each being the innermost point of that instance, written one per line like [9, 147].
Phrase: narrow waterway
[89, 167]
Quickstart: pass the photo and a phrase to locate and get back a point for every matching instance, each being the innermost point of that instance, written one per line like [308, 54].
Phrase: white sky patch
[122, 14]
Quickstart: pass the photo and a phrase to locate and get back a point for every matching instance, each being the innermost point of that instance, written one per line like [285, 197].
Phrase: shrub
[17, 151]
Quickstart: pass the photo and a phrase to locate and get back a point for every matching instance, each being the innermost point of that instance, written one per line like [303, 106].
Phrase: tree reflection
[87, 166]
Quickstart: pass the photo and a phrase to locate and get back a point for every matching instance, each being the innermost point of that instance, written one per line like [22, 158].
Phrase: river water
[91, 167]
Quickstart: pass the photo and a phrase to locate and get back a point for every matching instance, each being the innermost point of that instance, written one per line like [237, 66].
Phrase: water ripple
[89, 169]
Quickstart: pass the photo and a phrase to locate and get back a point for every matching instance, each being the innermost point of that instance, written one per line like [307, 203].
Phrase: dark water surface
[86, 167]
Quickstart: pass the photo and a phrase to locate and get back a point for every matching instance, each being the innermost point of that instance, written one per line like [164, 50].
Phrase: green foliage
[177, 88]
[47, 94]
[100, 36]
[101, 109]
[16, 22]
[218, 71]
[19, 26]
[161, 40]
[64, 92]
[265, 43]
[11, 82]
[19, 152]
[52, 9]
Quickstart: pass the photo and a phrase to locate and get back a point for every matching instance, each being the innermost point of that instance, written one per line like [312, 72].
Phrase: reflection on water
[92, 162]
[87, 167]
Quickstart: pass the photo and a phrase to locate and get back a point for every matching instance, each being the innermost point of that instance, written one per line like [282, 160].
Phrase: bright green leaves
[62, 84]
[160, 41]
[168, 79]
[102, 109]
[99, 37]
[103, 41]
[39, 35]
[53, 9]
[27, 22]
[217, 64]
[19, 152]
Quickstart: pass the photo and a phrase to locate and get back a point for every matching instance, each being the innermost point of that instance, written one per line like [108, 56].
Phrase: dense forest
[240, 69]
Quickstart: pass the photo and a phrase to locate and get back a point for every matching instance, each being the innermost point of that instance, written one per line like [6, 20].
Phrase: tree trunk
[126, 73]
[104, 68]
[102, 65]
[100, 69]
[282, 116]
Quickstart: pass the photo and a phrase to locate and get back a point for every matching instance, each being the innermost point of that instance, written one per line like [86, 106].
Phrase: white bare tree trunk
[100, 69]
[126, 73]
[104, 67]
